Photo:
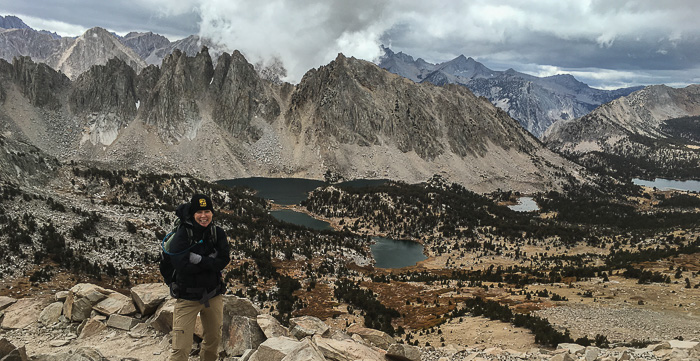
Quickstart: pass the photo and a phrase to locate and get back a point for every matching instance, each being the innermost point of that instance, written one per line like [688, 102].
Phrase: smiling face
[203, 217]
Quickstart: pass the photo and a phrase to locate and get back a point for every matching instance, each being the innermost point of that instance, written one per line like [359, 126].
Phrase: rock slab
[403, 352]
[242, 334]
[306, 326]
[148, 296]
[375, 337]
[51, 313]
[125, 323]
[23, 313]
[271, 327]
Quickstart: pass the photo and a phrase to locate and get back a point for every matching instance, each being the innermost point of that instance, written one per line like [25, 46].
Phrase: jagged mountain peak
[462, 60]
[388, 53]
[511, 71]
[106, 87]
[134, 34]
[404, 65]
[38, 82]
[12, 22]
[95, 32]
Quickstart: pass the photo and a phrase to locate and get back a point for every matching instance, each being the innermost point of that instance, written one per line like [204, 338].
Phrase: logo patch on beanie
[202, 202]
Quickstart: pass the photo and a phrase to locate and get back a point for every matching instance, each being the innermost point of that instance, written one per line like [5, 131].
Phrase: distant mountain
[29, 42]
[153, 48]
[654, 132]
[349, 117]
[146, 45]
[70, 55]
[95, 46]
[535, 102]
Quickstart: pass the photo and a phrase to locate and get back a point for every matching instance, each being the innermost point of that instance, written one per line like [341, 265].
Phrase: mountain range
[535, 102]
[143, 101]
[349, 117]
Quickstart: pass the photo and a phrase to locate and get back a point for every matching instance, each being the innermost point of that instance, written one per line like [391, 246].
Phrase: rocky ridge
[94, 323]
[71, 56]
[651, 129]
[349, 117]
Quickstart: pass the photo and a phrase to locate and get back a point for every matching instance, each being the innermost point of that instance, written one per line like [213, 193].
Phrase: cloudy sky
[604, 43]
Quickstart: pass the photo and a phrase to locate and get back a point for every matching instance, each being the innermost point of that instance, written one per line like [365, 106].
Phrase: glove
[195, 258]
[213, 255]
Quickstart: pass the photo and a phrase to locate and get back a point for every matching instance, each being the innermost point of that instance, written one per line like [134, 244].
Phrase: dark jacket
[196, 281]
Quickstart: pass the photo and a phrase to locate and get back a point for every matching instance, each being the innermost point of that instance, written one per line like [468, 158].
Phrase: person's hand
[195, 258]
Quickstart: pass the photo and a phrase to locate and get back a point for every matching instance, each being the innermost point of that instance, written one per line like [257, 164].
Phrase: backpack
[167, 270]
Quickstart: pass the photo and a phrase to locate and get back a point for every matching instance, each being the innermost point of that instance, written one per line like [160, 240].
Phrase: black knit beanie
[200, 202]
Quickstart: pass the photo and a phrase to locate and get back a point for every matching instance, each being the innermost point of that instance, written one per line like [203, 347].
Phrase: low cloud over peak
[640, 42]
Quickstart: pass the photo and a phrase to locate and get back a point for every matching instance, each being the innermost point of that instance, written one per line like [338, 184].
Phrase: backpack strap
[189, 238]
[212, 236]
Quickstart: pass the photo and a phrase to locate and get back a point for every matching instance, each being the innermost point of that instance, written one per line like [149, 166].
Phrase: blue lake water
[302, 219]
[387, 253]
[391, 253]
[667, 184]
[287, 191]
[525, 204]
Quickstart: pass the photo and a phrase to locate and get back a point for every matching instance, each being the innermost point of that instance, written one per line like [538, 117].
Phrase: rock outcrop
[10, 352]
[115, 336]
[239, 96]
[39, 83]
[105, 97]
[172, 106]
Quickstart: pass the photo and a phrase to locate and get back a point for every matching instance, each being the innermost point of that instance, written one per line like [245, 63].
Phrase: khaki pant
[184, 319]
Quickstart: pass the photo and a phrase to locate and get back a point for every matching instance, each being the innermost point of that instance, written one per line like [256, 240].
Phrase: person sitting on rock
[197, 285]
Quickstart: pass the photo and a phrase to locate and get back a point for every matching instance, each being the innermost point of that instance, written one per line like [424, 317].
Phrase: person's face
[203, 217]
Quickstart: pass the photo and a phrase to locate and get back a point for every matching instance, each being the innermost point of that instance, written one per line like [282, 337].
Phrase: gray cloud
[605, 43]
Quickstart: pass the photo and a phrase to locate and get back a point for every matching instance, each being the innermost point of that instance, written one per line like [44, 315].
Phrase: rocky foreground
[89, 322]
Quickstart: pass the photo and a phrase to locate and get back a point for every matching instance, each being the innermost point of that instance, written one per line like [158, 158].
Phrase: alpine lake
[667, 184]
[387, 252]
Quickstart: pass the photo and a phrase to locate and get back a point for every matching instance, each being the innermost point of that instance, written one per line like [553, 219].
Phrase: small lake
[387, 253]
[285, 191]
[302, 219]
[667, 184]
[288, 191]
[525, 204]
[391, 253]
